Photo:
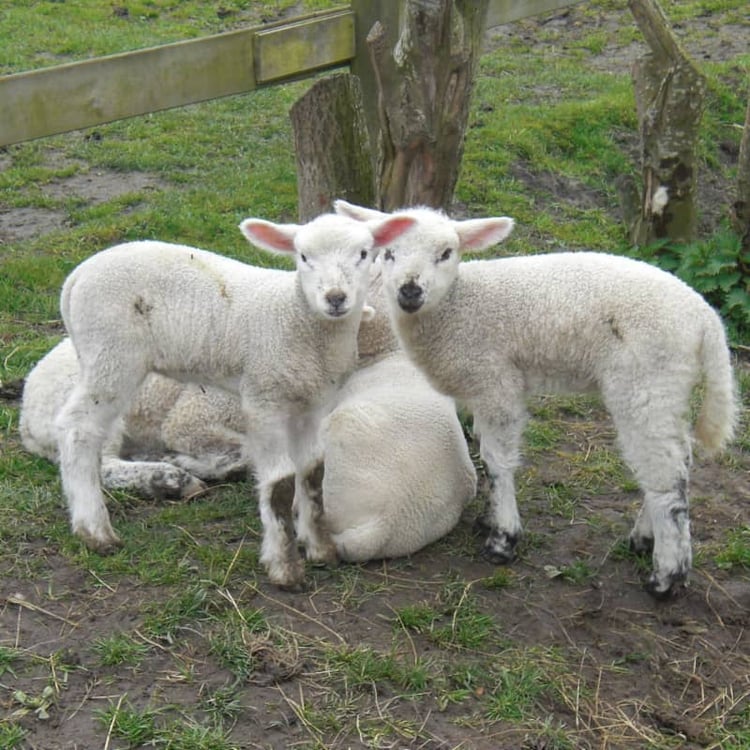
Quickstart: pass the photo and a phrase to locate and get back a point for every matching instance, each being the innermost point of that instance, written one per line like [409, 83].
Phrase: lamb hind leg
[83, 425]
[672, 553]
[500, 440]
[653, 437]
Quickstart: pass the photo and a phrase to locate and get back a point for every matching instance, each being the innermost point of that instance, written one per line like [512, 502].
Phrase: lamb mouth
[410, 305]
[337, 313]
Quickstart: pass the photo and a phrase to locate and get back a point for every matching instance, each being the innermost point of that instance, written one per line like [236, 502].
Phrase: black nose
[410, 296]
[335, 299]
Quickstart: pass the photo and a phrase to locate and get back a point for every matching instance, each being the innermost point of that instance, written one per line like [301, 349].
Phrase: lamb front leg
[279, 553]
[275, 482]
[312, 527]
[500, 438]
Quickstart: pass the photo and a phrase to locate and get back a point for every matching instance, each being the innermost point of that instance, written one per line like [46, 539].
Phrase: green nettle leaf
[727, 281]
[669, 263]
[717, 268]
[739, 298]
[715, 265]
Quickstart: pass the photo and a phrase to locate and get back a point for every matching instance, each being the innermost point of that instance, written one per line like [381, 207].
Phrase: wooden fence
[83, 94]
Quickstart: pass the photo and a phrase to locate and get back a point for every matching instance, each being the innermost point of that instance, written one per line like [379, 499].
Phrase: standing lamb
[490, 332]
[385, 494]
[282, 340]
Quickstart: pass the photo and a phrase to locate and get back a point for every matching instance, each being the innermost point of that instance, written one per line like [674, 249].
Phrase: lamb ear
[276, 238]
[479, 234]
[384, 232]
[358, 213]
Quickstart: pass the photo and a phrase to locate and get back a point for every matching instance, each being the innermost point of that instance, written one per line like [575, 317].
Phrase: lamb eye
[303, 257]
[446, 254]
[388, 255]
[363, 255]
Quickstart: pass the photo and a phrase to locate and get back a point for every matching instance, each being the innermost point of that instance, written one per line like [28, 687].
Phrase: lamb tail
[717, 419]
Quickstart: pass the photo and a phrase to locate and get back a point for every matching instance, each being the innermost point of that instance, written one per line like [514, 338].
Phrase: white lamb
[385, 494]
[490, 332]
[283, 340]
[397, 469]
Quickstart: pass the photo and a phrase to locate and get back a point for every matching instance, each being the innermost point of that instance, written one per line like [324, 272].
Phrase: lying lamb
[173, 438]
[385, 495]
[284, 341]
[490, 332]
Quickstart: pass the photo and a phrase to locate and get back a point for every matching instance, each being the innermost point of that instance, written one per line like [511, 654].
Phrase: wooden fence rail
[78, 95]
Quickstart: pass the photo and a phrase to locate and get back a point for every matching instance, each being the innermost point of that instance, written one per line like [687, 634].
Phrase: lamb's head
[333, 255]
[419, 267]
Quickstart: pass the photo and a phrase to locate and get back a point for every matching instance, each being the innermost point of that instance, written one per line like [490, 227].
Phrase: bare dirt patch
[91, 186]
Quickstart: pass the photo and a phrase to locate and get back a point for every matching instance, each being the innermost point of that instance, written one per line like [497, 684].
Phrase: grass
[119, 650]
[177, 640]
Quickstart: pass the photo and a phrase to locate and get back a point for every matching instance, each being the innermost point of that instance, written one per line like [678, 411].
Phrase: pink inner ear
[391, 229]
[478, 234]
[270, 236]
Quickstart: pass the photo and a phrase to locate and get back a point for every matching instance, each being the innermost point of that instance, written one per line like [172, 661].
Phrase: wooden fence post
[366, 14]
[419, 87]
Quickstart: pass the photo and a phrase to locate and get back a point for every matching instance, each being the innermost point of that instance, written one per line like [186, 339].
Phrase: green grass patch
[119, 649]
[736, 549]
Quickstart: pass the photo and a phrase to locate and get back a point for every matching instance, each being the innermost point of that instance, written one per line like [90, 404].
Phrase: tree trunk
[741, 207]
[332, 147]
[670, 93]
[424, 83]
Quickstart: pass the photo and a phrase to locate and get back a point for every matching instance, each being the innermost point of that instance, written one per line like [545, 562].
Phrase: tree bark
[670, 93]
[741, 207]
[424, 84]
[331, 146]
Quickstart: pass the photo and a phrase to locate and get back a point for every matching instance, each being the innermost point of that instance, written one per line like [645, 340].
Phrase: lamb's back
[561, 319]
[190, 309]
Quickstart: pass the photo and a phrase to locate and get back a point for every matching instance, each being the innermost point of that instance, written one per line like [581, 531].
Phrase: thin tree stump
[332, 146]
[670, 93]
[741, 207]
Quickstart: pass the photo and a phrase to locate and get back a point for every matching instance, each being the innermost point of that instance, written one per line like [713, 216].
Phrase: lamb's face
[333, 262]
[420, 267]
[334, 254]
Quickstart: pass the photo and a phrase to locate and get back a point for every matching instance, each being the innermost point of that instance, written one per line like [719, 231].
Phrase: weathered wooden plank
[306, 45]
[77, 95]
[83, 94]
[505, 11]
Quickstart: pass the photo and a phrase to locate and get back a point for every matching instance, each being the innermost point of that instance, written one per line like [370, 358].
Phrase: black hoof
[658, 591]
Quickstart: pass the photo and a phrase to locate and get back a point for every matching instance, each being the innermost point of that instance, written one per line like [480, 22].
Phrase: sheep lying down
[488, 333]
[384, 494]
